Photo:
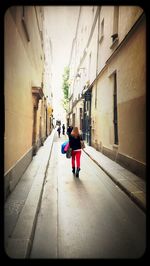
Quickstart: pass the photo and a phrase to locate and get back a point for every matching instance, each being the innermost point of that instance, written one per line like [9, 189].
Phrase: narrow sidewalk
[21, 207]
[131, 184]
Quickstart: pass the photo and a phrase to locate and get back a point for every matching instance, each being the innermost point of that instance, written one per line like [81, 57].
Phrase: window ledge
[115, 42]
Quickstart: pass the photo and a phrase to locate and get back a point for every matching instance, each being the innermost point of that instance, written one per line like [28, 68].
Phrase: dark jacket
[74, 143]
[69, 129]
[59, 129]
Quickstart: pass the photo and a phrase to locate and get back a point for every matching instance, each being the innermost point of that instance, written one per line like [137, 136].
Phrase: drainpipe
[24, 25]
[97, 55]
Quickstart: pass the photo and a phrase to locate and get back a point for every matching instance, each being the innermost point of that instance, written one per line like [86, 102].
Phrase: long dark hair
[75, 132]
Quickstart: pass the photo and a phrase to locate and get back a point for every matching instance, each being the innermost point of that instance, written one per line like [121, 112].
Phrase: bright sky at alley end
[61, 26]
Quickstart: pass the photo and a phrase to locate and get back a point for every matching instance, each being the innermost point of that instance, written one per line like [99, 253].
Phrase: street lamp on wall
[78, 76]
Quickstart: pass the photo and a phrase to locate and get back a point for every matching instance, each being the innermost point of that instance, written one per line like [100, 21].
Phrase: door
[87, 117]
[34, 130]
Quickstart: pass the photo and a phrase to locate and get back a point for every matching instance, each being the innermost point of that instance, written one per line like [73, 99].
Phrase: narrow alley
[85, 217]
[89, 217]
[82, 75]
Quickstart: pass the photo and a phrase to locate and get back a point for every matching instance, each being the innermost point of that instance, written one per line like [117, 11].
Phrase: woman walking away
[75, 143]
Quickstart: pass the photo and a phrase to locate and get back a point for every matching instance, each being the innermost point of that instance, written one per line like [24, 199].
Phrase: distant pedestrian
[75, 143]
[63, 129]
[69, 129]
[59, 130]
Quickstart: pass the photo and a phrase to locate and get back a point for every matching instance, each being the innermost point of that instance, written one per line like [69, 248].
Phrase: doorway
[87, 117]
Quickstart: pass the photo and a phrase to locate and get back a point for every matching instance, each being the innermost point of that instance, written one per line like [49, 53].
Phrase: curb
[20, 243]
[129, 193]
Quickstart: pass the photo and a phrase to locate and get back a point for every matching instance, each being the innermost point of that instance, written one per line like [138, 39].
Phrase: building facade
[25, 98]
[48, 75]
[108, 82]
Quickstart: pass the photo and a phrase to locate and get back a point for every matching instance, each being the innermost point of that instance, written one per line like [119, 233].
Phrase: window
[114, 36]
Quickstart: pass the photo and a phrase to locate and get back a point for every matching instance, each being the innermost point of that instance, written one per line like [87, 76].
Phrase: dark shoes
[73, 170]
[77, 172]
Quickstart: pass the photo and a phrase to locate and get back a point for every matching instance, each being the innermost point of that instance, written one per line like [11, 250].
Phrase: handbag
[66, 147]
[69, 153]
[82, 144]
[63, 145]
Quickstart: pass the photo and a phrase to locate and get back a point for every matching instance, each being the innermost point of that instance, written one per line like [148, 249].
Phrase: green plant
[65, 87]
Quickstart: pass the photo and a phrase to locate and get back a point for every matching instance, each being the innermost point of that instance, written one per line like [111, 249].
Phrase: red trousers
[76, 156]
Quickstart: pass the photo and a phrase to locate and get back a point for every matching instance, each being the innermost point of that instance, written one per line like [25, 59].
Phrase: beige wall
[106, 15]
[76, 110]
[102, 114]
[127, 57]
[131, 96]
[18, 114]
[23, 69]
[93, 51]
[129, 63]
[128, 15]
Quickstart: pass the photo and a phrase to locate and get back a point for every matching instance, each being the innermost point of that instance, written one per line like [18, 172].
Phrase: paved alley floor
[89, 217]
